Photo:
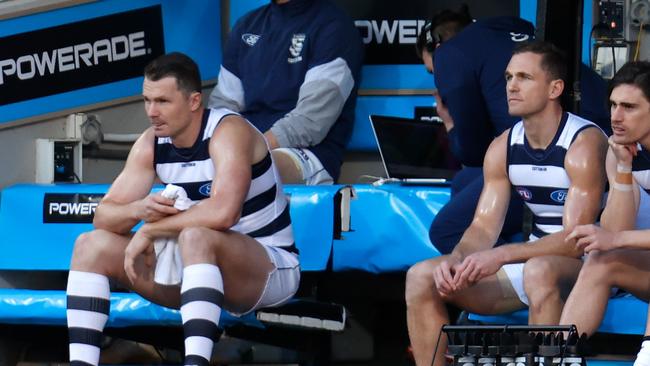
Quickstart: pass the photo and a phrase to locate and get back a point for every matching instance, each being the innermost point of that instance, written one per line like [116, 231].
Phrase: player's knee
[419, 281]
[200, 243]
[541, 281]
[599, 267]
[90, 248]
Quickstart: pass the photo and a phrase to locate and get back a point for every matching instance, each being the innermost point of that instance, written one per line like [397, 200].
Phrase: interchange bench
[41, 222]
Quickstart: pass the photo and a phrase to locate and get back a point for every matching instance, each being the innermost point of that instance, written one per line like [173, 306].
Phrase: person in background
[292, 68]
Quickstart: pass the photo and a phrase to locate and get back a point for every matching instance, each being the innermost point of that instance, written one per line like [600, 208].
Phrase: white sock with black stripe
[88, 305]
[201, 300]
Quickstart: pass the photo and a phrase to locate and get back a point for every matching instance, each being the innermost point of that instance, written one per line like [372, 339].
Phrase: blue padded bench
[624, 315]
[33, 246]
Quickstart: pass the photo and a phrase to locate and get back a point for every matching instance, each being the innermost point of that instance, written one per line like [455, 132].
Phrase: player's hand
[624, 153]
[443, 276]
[591, 237]
[139, 257]
[443, 112]
[477, 266]
[155, 207]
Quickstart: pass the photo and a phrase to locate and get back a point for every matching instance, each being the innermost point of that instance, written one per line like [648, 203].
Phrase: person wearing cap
[292, 68]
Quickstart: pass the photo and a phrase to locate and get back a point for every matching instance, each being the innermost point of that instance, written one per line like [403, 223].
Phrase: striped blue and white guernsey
[539, 177]
[265, 213]
[641, 168]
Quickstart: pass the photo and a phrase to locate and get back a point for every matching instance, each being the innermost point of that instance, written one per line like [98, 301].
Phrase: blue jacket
[294, 68]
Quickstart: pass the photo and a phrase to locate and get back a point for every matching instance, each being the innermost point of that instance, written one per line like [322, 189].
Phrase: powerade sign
[79, 55]
[390, 28]
[70, 208]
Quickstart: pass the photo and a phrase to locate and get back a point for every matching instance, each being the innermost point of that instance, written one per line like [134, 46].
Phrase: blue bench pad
[624, 315]
[48, 307]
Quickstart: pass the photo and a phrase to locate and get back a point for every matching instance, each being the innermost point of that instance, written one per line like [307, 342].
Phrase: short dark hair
[553, 59]
[635, 73]
[179, 66]
[447, 23]
[424, 42]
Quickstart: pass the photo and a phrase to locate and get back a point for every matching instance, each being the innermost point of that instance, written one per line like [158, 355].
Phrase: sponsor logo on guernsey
[250, 39]
[559, 196]
[205, 189]
[525, 194]
[295, 50]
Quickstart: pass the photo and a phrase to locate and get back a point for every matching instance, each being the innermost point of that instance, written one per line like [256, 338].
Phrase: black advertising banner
[390, 28]
[70, 208]
[79, 55]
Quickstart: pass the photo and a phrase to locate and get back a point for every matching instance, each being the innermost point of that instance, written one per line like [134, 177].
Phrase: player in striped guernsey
[236, 243]
[556, 160]
[619, 250]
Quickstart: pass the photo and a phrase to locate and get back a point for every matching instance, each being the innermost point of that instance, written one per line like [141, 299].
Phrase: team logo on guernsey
[525, 194]
[205, 189]
[519, 37]
[250, 39]
[297, 42]
[559, 196]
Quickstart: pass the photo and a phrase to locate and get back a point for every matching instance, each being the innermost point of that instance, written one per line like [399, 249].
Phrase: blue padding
[400, 106]
[30, 244]
[312, 218]
[19, 306]
[624, 315]
[390, 228]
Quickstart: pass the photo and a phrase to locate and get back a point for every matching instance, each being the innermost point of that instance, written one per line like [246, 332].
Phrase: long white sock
[88, 304]
[643, 357]
[201, 300]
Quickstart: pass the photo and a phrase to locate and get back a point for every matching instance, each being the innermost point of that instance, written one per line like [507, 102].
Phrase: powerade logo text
[559, 196]
[79, 55]
[70, 208]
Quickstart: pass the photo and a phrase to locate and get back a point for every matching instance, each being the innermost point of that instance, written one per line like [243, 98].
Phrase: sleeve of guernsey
[229, 91]
[334, 57]
[460, 90]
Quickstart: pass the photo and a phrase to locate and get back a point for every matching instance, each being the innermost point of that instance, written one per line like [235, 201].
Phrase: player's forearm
[115, 217]
[474, 239]
[204, 215]
[632, 239]
[620, 213]
[552, 244]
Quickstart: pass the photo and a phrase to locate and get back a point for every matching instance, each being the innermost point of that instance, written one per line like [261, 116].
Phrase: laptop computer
[414, 151]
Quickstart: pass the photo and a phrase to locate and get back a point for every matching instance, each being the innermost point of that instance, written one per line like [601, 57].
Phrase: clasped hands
[453, 275]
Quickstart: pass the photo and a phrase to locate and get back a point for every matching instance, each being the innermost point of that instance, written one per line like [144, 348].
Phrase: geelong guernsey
[539, 177]
[265, 213]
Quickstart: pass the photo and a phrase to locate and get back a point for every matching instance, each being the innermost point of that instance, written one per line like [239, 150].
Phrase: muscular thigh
[492, 295]
[244, 265]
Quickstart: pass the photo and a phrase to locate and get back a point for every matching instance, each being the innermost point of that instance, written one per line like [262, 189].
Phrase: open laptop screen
[413, 149]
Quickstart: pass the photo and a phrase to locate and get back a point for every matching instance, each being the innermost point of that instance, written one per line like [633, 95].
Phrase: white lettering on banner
[74, 57]
[64, 209]
[388, 31]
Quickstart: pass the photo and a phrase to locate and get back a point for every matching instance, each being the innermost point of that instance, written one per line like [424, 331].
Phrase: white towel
[169, 264]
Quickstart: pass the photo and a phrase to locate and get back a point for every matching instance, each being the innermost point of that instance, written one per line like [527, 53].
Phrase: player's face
[630, 113]
[168, 108]
[528, 86]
